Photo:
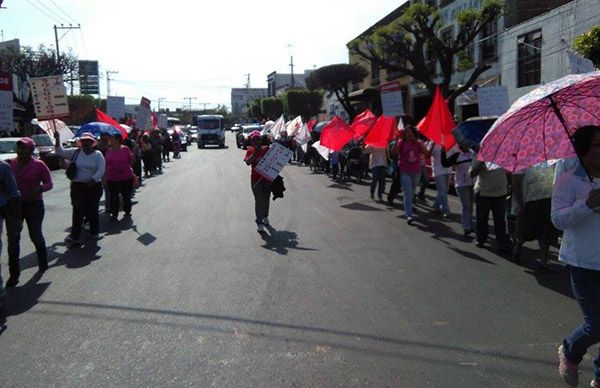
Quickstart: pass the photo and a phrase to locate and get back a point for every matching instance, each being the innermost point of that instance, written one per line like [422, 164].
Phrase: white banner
[55, 125]
[493, 100]
[273, 162]
[163, 121]
[391, 99]
[278, 127]
[293, 126]
[49, 97]
[302, 136]
[115, 107]
[143, 117]
[6, 111]
[322, 150]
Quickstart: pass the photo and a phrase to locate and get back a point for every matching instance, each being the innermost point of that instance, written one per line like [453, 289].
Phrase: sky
[199, 49]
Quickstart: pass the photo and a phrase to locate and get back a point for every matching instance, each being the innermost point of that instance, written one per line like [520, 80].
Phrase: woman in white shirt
[86, 186]
[461, 157]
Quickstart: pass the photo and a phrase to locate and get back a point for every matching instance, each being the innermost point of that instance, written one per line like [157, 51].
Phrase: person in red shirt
[261, 188]
[119, 175]
[33, 178]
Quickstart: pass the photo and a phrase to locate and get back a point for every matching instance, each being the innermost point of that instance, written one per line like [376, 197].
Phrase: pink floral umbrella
[539, 126]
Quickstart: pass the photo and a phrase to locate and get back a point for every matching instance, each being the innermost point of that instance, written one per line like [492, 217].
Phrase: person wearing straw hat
[261, 188]
[86, 186]
[33, 178]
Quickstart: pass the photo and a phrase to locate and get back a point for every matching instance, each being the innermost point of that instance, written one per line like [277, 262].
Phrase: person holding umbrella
[86, 186]
[576, 211]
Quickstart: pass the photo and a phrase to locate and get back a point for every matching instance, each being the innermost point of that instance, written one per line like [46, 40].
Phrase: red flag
[363, 123]
[154, 120]
[311, 124]
[438, 124]
[103, 117]
[336, 134]
[382, 132]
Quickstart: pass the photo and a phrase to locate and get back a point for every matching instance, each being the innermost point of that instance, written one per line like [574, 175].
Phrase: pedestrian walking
[119, 176]
[410, 151]
[261, 188]
[86, 186]
[378, 162]
[147, 156]
[491, 189]
[576, 211]
[10, 206]
[166, 146]
[33, 178]
[441, 175]
[461, 158]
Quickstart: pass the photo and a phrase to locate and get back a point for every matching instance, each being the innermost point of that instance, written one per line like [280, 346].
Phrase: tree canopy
[302, 102]
[413, 45]
[336, 79]
[588, 45]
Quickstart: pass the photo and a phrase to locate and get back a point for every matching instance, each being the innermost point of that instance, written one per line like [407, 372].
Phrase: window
[529, 58]
[488, 44]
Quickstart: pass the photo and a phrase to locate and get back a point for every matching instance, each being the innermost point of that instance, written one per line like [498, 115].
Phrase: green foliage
[271, 108]
[37, 63]
[302, 102]
[254, 110]
[83, 109]
[588, 45]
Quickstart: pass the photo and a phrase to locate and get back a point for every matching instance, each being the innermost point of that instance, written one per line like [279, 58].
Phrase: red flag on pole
[363, 123]
[103, 117]
[382, 132]
[336, 134]
[438, 124]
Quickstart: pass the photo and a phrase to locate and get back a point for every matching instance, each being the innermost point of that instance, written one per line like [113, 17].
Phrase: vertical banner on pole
[6, 103]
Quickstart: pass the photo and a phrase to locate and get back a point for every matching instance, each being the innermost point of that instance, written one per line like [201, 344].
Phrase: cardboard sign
[115, 106]
[143, 117]
[391, 99]
[49, 97]
[273, 162]
[493, 100]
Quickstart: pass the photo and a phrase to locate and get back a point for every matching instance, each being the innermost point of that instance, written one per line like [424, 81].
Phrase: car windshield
[250, 129]
[209, 124]
[42, 140]
[8, 147]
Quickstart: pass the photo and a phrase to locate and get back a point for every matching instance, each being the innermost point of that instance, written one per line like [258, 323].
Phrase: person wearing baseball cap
[261, 188]
[33, 178]
[86, 186]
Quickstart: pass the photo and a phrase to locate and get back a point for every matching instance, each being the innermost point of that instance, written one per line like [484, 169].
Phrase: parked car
[192, 136]
[8, 148]
[242, 137]
[46, 150]
[236, 127]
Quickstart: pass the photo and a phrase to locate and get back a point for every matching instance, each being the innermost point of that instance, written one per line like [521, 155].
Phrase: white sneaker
[261, 228]
[266, 221]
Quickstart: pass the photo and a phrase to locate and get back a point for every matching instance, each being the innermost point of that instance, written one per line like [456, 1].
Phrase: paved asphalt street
[342, 293]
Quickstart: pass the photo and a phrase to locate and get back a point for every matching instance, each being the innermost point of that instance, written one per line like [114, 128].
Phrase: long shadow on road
[281, 241]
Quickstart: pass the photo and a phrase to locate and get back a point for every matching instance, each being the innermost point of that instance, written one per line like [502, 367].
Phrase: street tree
[302, 102]
[413, 45]
[588, 45]
[271, 107]
[335, 79]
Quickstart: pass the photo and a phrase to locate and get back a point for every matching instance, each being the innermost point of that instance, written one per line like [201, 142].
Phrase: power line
[41, 10]
[62, 11]
[60, 18]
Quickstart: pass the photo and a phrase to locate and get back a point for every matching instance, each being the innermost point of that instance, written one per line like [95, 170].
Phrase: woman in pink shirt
[33, 178]
[119, 175]
[409, 151]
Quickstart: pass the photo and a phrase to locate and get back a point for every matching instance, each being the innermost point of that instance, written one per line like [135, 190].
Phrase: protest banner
[6, 103]
[391, 99]
[115, 106]
[143, 117]
[273, 162]
[493, 100]
[49, 97]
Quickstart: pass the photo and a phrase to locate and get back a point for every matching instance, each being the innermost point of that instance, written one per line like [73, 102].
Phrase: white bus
[210, 130]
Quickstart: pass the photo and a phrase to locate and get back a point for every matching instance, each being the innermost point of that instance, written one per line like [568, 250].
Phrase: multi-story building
[242, 97]
[279, 83]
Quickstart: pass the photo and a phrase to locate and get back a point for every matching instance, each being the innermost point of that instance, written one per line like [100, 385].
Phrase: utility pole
[189, 101]
[159, 100]
[62, 27]
[292, 81]
[108, 73]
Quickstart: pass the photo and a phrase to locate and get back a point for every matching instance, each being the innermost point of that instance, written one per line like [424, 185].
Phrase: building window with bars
[529, 59]
[488, 43]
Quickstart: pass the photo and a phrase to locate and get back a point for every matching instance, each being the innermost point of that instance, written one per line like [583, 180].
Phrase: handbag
[72, 167]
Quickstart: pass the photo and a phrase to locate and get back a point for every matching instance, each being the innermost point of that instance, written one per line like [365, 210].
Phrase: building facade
[242, 97]
[279, 83]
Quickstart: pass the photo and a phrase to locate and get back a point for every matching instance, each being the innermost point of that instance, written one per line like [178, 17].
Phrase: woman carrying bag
[86, 184]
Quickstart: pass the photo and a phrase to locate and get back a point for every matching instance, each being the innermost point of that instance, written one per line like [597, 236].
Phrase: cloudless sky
[185, 48]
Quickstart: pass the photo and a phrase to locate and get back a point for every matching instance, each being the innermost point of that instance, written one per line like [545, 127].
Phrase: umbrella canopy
[539, 125]
[473, 130]
[97, 128]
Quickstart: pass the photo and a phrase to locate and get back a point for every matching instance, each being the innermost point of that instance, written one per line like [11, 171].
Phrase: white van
[210, 130]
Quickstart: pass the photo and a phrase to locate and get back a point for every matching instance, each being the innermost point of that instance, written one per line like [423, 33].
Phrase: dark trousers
[148, 158]
[137, 168]
[395, 187]
[33, 214]
[586, 288]
[12, 217]
[124, 189]
[262, 193]
[85, 199]
[497, 205]
[378, 180]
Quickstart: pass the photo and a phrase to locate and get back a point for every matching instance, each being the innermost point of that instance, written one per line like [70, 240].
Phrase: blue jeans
[378, 179]
[467, 199]
[409, 183]
[586, 288]
[442, 185]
